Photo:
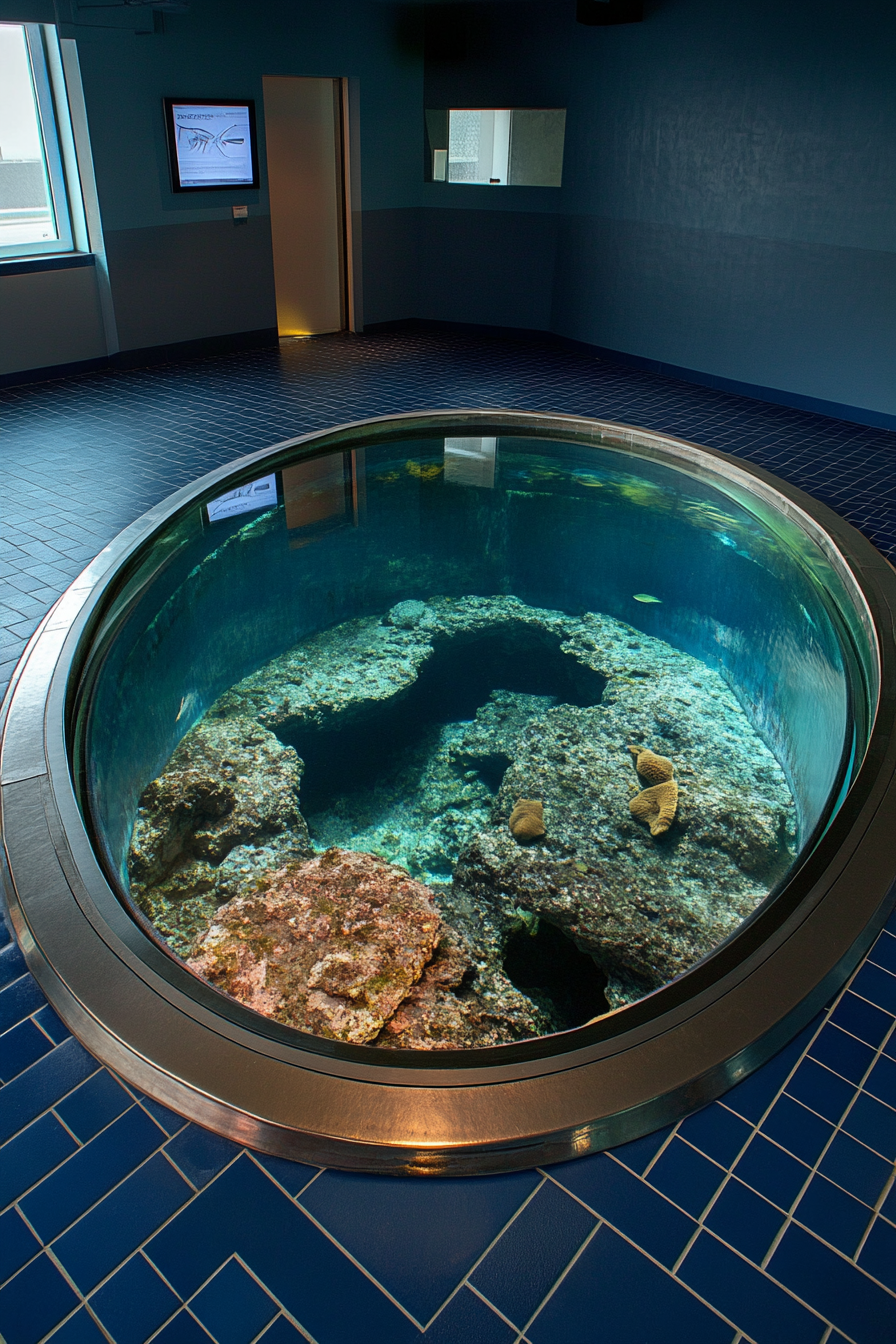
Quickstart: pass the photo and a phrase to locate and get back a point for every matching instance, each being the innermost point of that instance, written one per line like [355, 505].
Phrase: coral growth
[655, 769]
[527, 820]
[658, 804]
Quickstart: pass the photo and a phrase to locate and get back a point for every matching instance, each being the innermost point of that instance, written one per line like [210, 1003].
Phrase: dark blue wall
[729, 197]
[729, 187]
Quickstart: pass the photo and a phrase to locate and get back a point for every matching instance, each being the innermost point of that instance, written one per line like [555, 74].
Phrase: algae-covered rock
[561, 698]
[454, 1008]
[645, 908]
[406, 614]
[347, 946]
[331, 946]
[339, 676]
[230, 786]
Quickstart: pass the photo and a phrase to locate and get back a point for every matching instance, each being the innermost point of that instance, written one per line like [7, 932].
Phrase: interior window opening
[498, 147]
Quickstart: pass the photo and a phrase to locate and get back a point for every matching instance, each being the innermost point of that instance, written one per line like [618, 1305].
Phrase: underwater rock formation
[337, 946]
[337, 677]
[419, 813]
[459, 1005]
[226, 805]
[406, 614]
[331, 946]
[644, 912]
[419, 732]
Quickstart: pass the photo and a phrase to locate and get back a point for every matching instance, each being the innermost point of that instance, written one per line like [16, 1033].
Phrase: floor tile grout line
[658, 1154]
[579, 1253]
[814, 1311]
[877, 1212]
[357, 1263]
[40, 1028]
[464, 1282]
[172, 1315]
[173, 1164]
[81, 1306]
[603, 1221]
[96, 1203]
[294, 1321]
[252, 1275]
[30, 1261]
[254, 1158]
[729, 1170]
[186, 1302]
[489, 1303]
[864, 997]
[49, 1109]
[80, 1142]
[850, 1081]
[814, 1168]
[139, 1249]
[82, 1300]
[889, 1183]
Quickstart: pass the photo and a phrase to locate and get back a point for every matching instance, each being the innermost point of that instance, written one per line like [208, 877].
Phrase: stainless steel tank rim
[140, 1011]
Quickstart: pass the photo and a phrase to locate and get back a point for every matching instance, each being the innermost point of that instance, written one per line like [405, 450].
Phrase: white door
[303, 134]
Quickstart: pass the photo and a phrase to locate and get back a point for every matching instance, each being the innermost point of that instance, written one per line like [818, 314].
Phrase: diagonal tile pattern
[769, 1218]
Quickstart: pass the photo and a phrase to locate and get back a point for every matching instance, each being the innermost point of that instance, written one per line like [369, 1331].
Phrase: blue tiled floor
[769, 1217]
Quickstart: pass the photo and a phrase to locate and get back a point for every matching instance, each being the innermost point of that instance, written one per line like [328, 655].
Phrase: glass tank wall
[454, 741]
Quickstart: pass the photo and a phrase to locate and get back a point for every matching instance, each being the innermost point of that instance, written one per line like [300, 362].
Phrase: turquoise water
[413, 637]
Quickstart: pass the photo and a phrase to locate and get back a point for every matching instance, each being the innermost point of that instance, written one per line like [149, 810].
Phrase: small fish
[646, 597]
[187, 705]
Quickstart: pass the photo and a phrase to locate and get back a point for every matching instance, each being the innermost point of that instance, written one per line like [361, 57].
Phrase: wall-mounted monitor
[211, 143]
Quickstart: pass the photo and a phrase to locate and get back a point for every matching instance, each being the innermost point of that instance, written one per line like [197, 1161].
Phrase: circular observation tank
[456, 791]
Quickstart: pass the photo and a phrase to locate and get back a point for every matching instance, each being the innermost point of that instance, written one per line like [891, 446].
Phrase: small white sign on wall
[260, 494]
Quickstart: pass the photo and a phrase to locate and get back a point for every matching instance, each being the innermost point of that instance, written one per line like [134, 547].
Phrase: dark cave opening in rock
[455, 681]
[543, 962]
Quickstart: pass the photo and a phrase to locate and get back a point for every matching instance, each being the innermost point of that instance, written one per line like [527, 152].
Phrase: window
[35, 216]
[497, 147]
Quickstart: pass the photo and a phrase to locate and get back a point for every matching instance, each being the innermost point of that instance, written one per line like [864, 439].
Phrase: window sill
[55, 261]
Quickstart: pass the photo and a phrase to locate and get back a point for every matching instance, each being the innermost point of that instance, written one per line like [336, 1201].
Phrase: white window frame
[59, 150]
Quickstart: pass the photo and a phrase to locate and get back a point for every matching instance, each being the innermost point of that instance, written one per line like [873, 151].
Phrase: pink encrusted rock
[332, 946]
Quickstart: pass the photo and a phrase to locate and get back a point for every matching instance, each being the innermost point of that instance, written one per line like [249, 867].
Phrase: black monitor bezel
[169, 105]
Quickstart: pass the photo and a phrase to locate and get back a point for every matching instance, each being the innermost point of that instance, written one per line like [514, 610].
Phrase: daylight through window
[34, 213]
